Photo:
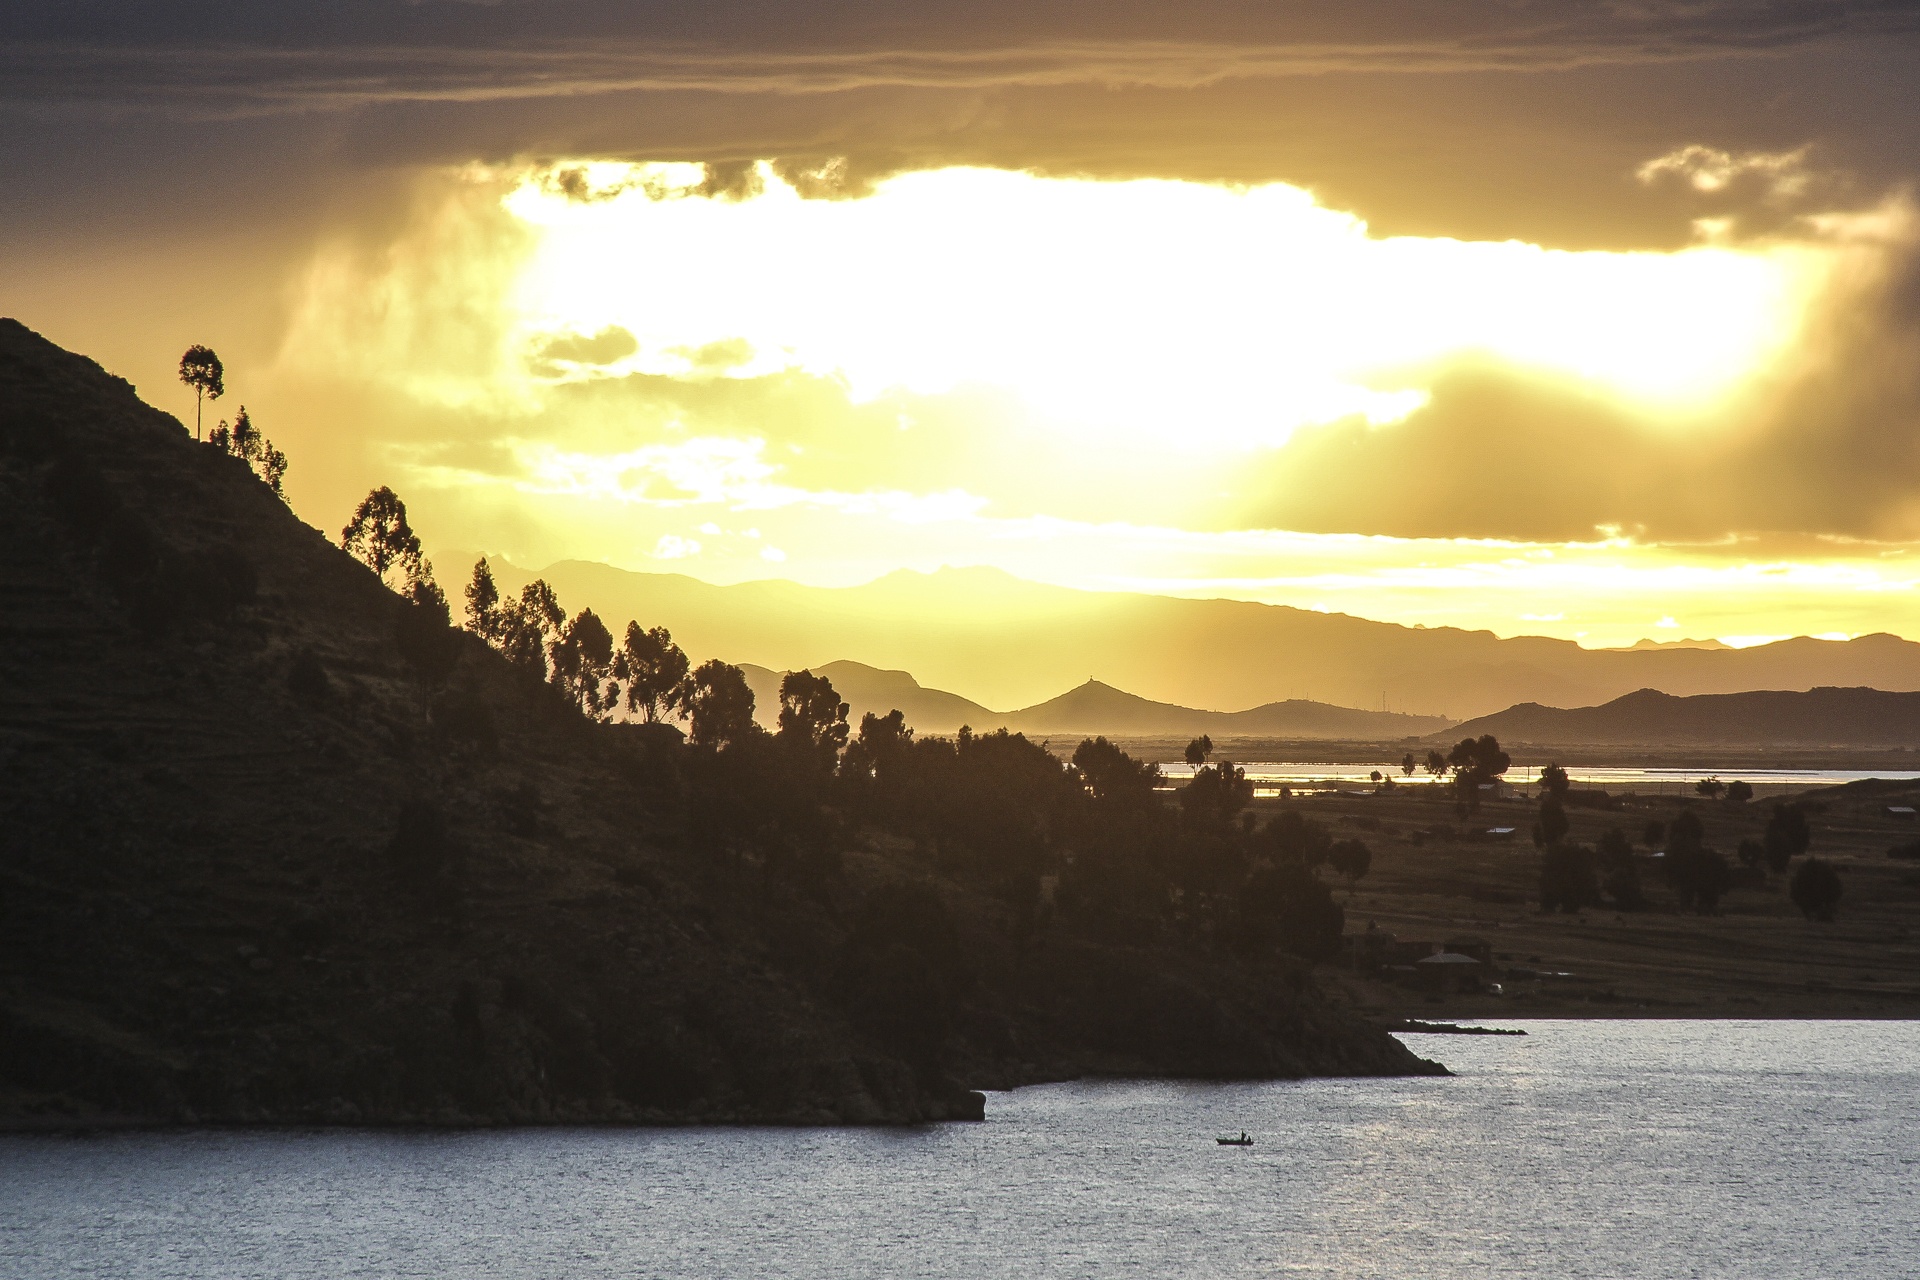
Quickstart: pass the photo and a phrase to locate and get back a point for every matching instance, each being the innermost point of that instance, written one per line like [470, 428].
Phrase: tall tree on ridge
[483, 603]
[202, 370]
[719, 705]
[654, 669]
[379, 537]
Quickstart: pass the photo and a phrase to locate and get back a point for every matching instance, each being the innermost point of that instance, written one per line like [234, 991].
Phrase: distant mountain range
[1648, 717]
[1092, 708]
[1002, 641]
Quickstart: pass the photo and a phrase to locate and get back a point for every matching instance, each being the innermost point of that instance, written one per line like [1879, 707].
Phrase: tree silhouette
[1113, 777]
[1436, 764]
[202, 370]
[812, 717]
[1699, 874]
[529, 626]
[1815, 889]
[1552, 826]
[1216, 795]
[1739, 792]
[483, 603]
[1569, 879]
[1553, 781]
[379, 537]
[1787, 836]
[1350, 858]
[1408, 764]
[583, 662]
[1710, 787]
[1198, 750]
[244, 441]
[1476, 762]
[1619, 877]
[654, 669]
[719, 705]
[876, 755]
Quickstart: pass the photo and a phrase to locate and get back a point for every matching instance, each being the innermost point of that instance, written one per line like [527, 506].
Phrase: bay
[1585, 1149]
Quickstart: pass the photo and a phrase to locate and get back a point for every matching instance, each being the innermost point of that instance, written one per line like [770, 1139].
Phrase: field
[1437, 877]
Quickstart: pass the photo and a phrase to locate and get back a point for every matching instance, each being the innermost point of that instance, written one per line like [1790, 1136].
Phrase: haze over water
[1587, 1149]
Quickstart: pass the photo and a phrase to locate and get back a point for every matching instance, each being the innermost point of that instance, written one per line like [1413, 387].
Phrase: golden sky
[1562, 319]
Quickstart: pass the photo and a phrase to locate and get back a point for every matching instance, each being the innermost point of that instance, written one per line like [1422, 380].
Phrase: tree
[1286, 906]
[244, 441]
[1216, 795]
[654, 668]
[379, 537]
[1552, 825]
[483, 603]
[1619, 877]
[1198, 750]
[202, 370]
[1407, 764]
[1739, 792]
[1710, 787]
[813, 720]
[1350, 858]
[529, 626]
[424, 631]
[719, 705]
[1751, 853]
[1114, 778]
[582, 664]
[1787, 836]
[1655, 832]
[1436, 764]
[1568, 879]
[1815, 889]
[1553, 781]
[1476, 762]
[1699, 874]
[873, 757]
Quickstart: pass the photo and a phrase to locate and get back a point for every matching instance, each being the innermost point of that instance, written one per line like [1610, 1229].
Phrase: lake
[1268, 776]
[1586, 1149]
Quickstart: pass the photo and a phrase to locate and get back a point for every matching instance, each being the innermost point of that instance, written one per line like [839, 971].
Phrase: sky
[1599, 321]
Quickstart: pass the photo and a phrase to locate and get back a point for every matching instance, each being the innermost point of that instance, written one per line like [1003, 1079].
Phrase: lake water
[1587, 1149]
[1269, 776]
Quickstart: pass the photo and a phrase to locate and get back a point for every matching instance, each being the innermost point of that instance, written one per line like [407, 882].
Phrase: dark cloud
[1484, 120]
[1831, 452]
[605, 347]
[287, 56]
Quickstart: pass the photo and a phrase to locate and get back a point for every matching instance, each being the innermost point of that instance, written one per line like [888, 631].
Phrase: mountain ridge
[1092, 708]
[1820, 717]
[1002, 641]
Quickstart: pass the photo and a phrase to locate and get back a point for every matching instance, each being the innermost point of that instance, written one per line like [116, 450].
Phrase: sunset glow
[1167, 310]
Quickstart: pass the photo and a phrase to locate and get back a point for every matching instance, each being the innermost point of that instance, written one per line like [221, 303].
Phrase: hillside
[1815, 718]
[1003, 642]
[1089, 710]
[272, 852]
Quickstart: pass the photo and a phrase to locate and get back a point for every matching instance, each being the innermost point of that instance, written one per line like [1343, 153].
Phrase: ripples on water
[1588, 1149]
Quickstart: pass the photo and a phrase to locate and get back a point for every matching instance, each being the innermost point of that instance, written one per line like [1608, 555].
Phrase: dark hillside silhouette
[279, 844]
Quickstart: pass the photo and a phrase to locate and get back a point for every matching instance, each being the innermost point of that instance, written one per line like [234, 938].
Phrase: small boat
[1242, 1141]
